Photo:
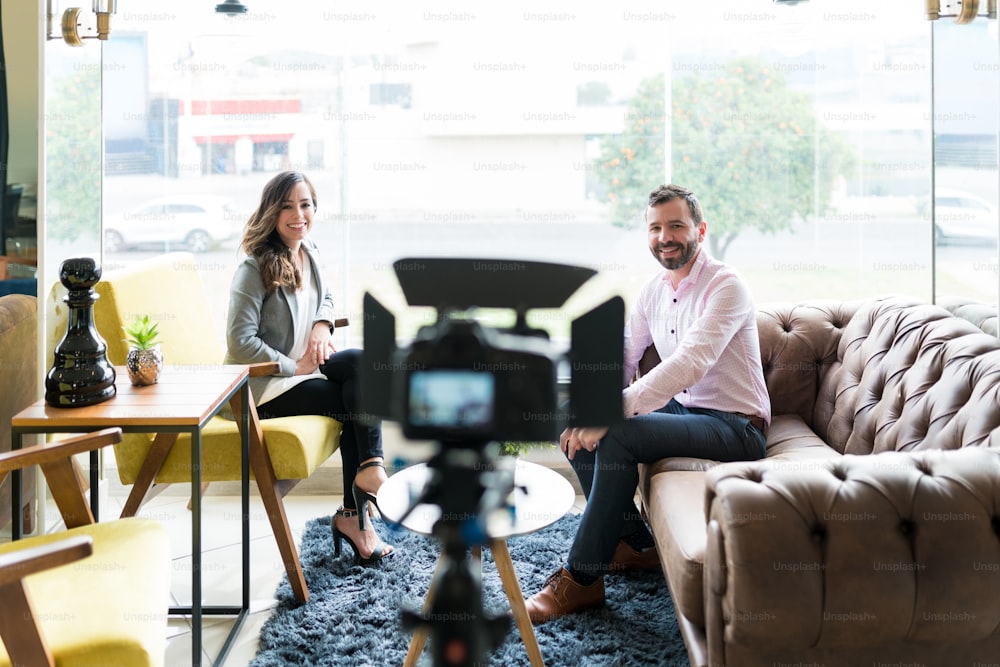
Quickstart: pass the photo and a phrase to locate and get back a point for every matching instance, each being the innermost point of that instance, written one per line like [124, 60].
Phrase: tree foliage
[73, 156]
[747, 144]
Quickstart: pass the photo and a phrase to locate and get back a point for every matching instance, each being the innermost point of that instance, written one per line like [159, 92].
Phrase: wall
[22, 30]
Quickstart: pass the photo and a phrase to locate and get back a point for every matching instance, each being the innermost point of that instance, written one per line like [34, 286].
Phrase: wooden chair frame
[67, 483]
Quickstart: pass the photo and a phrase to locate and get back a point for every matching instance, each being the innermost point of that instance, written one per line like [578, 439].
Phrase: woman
[280, 310]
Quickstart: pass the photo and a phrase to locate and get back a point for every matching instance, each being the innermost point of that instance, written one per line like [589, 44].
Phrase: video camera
[462, 383]
[467, 385]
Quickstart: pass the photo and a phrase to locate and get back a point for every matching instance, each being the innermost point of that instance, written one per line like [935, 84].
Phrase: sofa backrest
[910, 376]
[983, 315]
[798, 351]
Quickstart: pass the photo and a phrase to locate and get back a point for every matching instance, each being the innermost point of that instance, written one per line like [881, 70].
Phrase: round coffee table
[541, 497]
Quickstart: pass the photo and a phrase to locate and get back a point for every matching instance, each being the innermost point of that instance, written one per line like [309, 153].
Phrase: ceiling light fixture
[74, 30]
[231, 7]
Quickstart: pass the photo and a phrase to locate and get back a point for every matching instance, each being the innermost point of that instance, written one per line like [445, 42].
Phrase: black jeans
[337, 397]
[609, 475]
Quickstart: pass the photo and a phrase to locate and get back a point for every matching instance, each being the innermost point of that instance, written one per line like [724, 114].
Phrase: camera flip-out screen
[452, 399]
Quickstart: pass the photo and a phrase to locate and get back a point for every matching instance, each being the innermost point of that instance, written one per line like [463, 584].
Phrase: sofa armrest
[858, 551]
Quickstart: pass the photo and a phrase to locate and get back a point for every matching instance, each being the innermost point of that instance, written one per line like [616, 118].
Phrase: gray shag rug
[353, 614]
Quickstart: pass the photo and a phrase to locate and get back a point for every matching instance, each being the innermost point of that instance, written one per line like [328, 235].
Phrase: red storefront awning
[231, 138]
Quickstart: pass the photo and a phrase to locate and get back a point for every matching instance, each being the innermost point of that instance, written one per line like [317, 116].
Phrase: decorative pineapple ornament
[145, 359]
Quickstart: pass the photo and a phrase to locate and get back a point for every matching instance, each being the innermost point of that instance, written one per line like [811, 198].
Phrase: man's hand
[573, 440]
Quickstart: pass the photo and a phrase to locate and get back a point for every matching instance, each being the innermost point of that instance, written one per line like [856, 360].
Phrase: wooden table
[540, 498]
[183, 401]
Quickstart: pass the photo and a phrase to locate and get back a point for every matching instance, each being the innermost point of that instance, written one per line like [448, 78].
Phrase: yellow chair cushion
[297, 446]
[109, 608]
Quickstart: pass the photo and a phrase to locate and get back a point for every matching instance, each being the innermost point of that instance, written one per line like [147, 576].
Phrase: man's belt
[758, 422]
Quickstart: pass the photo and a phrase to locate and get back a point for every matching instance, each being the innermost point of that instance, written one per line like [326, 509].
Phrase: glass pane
[805, 131]
[72, 95]
[965, 214]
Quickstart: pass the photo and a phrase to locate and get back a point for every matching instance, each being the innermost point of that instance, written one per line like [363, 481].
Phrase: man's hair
[665, 193]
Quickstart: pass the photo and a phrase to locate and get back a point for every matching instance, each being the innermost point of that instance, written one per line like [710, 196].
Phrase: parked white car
[961, 217]
[195, 222]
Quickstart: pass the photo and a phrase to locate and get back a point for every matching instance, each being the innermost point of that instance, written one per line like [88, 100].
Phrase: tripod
[466, 485]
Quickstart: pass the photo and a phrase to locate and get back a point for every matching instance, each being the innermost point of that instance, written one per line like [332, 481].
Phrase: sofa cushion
[675, 509]
[673, 495]
[790, 439]
[296, 446]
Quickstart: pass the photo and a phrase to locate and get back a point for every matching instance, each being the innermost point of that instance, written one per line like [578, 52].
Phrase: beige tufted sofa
[19, 384]
[870, 534]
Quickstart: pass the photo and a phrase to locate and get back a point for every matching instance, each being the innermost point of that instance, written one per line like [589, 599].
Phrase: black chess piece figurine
[81, 374]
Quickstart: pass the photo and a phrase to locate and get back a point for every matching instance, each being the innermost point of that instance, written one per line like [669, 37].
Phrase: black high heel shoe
[362, 497]
[382, 551]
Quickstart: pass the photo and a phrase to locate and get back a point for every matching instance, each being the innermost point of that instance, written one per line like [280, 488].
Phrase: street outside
[861, 252]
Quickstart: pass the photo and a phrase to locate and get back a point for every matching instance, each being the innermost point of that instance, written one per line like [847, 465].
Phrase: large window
[509, 130]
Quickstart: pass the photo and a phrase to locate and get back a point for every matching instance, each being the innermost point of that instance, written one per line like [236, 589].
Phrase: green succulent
[142, 333]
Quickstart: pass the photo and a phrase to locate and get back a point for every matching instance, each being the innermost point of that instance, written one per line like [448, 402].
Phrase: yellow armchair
[283, 451]
[95, 594]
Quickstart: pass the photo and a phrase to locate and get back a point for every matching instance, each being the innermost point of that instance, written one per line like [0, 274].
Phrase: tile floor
[221, 564]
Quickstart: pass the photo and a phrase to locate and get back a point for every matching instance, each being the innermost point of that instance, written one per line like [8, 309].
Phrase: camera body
[465, 384]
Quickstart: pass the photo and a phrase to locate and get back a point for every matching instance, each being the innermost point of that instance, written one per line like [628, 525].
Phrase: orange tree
[745, 142]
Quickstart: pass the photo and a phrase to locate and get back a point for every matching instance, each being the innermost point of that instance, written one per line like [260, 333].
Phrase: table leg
[505, 568]
[421, 633]
[195, 549]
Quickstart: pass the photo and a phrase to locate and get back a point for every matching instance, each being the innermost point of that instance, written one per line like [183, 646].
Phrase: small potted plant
[516, 449]
[145, 360]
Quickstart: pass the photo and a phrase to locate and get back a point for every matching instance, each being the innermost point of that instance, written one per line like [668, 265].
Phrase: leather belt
[757, 422]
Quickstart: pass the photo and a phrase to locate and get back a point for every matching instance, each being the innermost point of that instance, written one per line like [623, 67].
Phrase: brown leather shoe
[627, 559]
[562, 595]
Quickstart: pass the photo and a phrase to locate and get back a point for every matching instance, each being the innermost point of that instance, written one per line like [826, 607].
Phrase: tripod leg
[421, 633]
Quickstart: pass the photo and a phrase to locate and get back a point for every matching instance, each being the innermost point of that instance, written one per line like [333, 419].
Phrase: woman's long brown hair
[260, 237]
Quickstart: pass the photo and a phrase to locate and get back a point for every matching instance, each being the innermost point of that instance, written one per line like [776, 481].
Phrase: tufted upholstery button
[839, 473]
[754, 475]
[818, 533]
[906, 527]
[924, 467]
[996, 524]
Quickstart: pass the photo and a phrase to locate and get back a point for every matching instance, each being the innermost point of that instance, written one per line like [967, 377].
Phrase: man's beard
[688, 252]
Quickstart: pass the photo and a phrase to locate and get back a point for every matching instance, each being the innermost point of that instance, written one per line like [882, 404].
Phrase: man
[705, 399]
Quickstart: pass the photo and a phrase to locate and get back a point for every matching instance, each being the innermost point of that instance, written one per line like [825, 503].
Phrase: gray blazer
[259, 325]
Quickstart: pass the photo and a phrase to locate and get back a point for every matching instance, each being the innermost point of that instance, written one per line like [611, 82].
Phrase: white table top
[541, 496]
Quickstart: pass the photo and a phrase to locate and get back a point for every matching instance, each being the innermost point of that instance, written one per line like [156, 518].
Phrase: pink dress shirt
[705, 332]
